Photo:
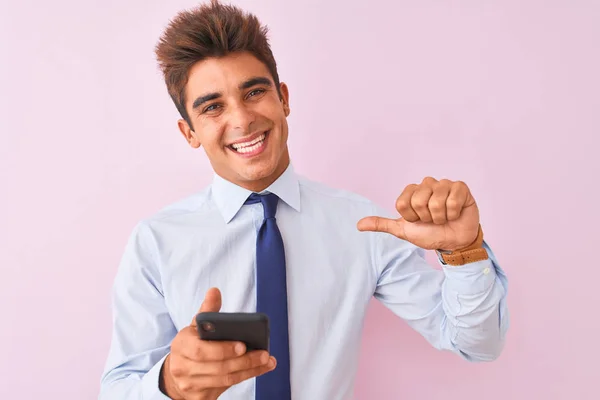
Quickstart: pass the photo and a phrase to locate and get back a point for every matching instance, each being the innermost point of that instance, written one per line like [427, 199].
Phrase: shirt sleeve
[142, 327]
[457, 308]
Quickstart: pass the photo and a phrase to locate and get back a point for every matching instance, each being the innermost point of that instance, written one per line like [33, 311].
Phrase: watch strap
[472, 253]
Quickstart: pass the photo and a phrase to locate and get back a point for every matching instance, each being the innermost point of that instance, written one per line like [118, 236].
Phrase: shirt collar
[230, 197]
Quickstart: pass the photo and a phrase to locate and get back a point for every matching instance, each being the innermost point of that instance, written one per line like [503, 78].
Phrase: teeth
[250, 149]
[240, 146]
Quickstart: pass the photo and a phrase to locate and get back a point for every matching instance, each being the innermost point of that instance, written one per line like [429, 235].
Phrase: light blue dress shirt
[209, 239]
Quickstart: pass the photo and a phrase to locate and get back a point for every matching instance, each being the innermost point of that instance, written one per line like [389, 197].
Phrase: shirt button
[486, 271]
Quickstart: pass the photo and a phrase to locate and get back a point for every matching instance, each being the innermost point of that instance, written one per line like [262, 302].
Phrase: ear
[188, 133]
[285, 98]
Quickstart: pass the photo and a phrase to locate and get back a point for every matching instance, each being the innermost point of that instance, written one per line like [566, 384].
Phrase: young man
[261, 238]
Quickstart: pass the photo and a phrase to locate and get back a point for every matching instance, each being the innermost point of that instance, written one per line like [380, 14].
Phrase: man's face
[239, 119]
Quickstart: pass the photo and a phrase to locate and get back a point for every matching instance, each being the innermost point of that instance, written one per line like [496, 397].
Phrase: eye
[212, 107]
[255, 92]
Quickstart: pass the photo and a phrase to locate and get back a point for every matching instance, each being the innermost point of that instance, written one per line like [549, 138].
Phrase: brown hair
[209, 30]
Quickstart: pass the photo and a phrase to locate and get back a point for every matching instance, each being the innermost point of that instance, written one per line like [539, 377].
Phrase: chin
[257, 172]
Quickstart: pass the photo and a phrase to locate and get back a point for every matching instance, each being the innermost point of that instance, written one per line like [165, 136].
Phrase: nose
[241, 117]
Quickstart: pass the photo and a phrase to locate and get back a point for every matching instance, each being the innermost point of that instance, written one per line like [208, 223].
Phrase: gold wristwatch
[472, 253]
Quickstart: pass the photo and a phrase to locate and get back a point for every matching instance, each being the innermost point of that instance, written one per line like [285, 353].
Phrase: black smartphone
[250, 328]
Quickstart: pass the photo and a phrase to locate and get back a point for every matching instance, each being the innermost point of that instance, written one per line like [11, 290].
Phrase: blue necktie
[271, 299]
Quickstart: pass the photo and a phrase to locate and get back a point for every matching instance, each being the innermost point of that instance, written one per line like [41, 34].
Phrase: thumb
[211, 303]
[380, 224]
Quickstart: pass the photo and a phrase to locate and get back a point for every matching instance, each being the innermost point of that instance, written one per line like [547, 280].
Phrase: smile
[251, 147]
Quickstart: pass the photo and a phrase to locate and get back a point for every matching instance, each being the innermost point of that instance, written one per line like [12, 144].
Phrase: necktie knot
[269, 202]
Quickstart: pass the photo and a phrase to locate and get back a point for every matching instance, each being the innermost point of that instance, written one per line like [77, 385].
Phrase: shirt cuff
[150, 381]
[472, 278]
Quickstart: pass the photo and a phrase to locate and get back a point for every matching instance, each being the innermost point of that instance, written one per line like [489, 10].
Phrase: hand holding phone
[204, 369]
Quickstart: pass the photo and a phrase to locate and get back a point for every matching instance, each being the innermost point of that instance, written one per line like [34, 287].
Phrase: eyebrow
[259, 80]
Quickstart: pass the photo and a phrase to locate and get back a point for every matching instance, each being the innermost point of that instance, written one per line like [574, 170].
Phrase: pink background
[504, 95]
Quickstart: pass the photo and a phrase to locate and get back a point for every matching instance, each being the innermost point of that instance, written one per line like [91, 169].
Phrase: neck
[261, 184]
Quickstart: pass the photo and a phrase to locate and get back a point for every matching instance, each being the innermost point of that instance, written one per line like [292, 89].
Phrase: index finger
[404, 206]
[212, 350]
